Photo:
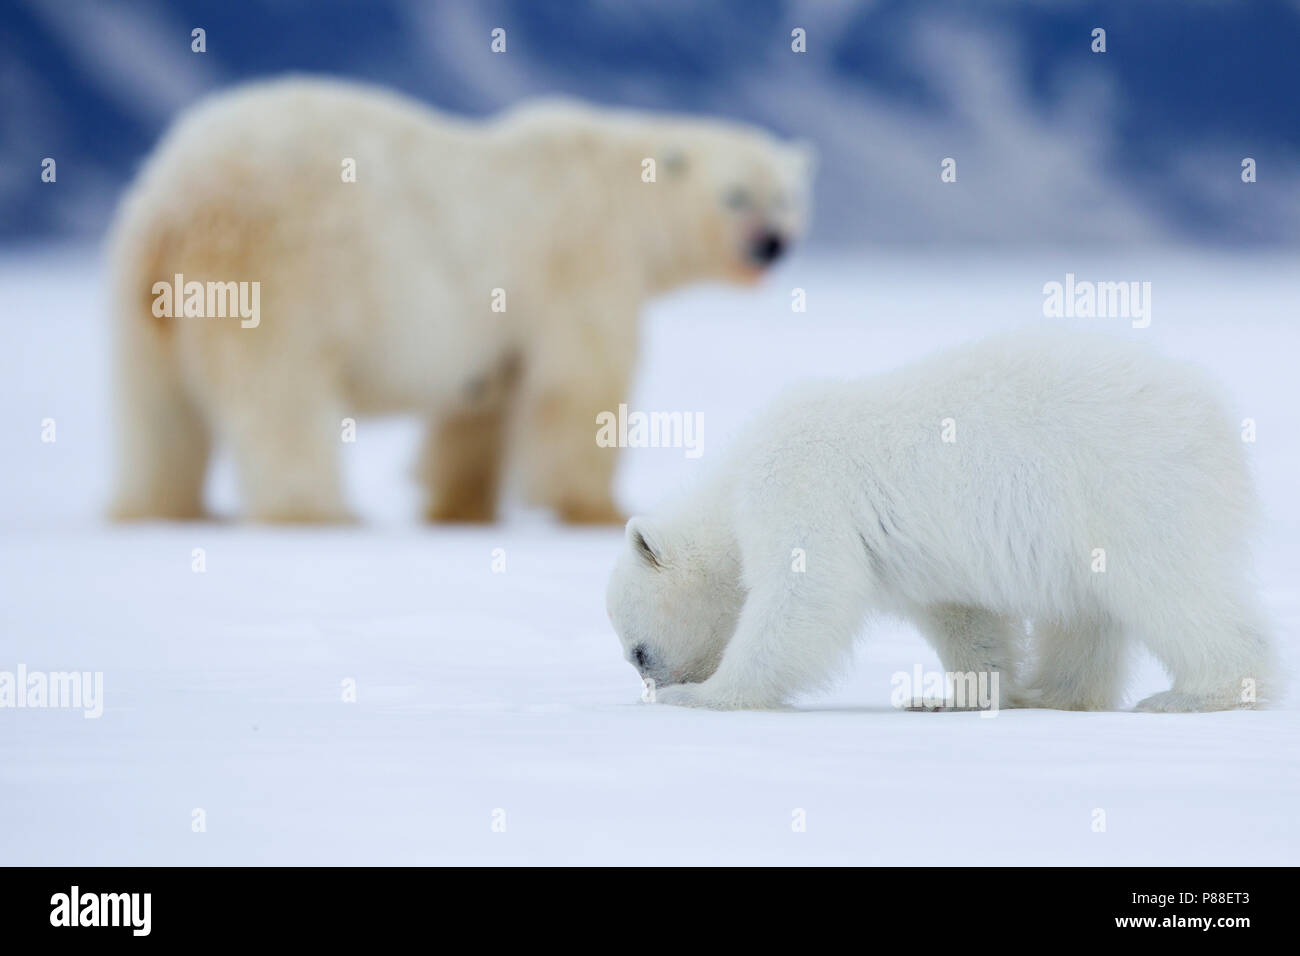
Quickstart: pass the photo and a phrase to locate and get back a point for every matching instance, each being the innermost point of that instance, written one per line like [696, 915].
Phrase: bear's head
[737, 198]
[673, 602]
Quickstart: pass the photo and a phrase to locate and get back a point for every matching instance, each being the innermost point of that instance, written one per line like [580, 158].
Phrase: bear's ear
[805, 155]
[674, 161]
[641, 541]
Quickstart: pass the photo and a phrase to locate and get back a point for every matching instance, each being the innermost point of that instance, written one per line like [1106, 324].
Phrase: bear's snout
[766, 248]
[651, 667]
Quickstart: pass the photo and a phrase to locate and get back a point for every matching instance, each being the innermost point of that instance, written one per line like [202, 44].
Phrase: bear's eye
[737, 198]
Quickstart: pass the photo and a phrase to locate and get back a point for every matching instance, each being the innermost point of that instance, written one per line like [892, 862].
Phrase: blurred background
[1054, 142]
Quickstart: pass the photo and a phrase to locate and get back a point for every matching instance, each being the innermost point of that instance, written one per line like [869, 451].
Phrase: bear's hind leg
[1217, 663]
[162, 440]
[1080, 665]
[972, 641]
[162, 450]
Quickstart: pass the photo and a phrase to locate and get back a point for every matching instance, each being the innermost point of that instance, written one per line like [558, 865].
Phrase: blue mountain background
[1053, 142]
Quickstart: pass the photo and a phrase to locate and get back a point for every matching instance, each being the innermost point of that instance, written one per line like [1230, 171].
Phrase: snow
[480, 692]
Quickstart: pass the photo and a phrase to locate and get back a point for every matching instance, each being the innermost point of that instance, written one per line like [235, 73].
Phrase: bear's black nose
[640, 657]
[766, 248]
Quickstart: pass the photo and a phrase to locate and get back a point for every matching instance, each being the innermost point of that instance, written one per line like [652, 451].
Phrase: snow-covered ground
[486, 697]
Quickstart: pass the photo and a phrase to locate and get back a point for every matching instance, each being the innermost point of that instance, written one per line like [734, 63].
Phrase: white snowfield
[494, 720]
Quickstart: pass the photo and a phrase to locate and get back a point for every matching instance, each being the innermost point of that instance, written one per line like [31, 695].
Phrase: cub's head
[738, 198]
[673, 604]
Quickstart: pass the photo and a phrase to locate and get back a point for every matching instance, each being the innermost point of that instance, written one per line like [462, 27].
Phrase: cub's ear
[641, 540]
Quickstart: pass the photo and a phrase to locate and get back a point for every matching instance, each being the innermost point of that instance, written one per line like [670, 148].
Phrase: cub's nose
[766, 248]
[641, 657]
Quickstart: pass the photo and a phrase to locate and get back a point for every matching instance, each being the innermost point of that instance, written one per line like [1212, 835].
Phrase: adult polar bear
[487, 275]
[969, 493]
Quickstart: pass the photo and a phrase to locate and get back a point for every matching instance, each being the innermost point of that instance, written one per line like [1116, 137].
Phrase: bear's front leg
[462, 462]
[707, 696]
[796, 625]
[286, 444]
[974, 645]
[563, 467]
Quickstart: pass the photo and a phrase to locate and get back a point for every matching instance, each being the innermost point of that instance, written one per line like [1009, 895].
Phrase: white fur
[1065, 443]
[376, 295]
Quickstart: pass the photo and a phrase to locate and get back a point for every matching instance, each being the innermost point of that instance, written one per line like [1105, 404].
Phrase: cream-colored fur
[376, 295]
[1087, 486]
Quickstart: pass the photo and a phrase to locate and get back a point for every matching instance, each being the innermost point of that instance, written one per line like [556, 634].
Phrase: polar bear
[1066, 480]
[486, 275]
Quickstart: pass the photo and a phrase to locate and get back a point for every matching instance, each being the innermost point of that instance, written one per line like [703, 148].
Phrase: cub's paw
[1177, 702]
[707, 696]
[678, 695]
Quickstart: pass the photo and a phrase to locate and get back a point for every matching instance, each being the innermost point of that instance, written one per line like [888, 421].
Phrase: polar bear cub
[486, 276]
[1072, 482]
